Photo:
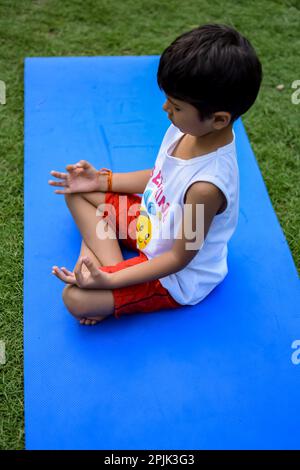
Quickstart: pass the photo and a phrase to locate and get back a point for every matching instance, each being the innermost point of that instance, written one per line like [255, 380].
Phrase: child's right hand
[82, 177]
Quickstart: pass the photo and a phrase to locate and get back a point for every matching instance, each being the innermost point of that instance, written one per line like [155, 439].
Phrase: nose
[165, 106]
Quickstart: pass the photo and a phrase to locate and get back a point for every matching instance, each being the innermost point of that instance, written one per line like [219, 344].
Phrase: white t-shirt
[163, 198]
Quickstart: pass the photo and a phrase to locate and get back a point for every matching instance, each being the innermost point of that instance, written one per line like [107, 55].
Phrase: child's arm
[84, 177]
[132, 182]
[180, 255]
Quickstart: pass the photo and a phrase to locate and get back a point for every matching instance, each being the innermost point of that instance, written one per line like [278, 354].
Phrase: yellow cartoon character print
[144, 225]
[143, 229]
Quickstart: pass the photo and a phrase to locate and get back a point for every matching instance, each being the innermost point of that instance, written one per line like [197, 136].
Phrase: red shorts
[145, 297]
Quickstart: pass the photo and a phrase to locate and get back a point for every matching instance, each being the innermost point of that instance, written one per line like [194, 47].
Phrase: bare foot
[91, 321]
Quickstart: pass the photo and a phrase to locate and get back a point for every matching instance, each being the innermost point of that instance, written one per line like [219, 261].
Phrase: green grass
[131, 27]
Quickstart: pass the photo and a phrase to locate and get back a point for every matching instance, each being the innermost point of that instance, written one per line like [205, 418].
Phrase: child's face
[185, 117]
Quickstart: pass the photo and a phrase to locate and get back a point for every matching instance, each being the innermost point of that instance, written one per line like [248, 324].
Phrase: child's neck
[213, 140]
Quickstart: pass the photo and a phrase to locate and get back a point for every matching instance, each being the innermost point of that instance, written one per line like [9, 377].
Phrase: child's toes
[85, 321]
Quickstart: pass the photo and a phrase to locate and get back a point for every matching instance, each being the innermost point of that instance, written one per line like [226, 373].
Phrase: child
[210, 75]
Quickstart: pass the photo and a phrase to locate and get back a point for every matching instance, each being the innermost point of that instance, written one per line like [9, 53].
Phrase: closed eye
[175, 107]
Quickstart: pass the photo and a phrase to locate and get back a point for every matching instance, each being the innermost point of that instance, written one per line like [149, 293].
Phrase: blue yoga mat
[218, 375]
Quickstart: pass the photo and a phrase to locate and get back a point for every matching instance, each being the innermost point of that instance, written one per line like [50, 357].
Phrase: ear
[221, 120]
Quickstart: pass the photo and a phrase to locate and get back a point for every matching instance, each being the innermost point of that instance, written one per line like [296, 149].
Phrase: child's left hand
[95, 279]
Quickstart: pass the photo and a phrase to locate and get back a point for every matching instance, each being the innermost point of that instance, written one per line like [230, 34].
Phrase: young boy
[210, 76]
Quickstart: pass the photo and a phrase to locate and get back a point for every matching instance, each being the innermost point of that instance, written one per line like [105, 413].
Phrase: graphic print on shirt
[144, 225]
[153, 210]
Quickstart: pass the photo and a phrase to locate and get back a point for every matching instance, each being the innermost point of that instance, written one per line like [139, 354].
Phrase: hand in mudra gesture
[93, 278]
[82, 177]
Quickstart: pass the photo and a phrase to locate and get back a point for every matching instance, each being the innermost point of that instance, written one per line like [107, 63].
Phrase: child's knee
[70, 299]
[71, 197]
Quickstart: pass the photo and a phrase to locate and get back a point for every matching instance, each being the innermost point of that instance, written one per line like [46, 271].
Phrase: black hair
[212, 67]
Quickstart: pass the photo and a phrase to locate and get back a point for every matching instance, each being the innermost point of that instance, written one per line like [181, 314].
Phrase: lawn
[131, 27]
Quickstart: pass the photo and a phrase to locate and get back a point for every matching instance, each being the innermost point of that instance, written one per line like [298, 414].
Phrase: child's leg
[102, 252]
[107, 250]
[94, 198]
[86, 251]
[89, 306]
